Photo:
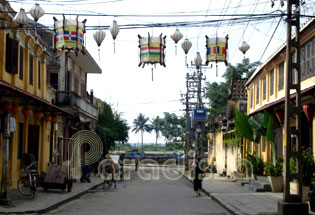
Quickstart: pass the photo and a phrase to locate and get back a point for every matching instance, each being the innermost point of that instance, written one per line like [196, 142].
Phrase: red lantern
[309, 111]
[38, 115]
[47, 118]
[54, 119]
[27, 112]
[280, 116]
[6, 106]
[16, 109]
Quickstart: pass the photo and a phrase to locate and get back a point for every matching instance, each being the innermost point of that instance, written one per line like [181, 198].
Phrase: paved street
[138, 196]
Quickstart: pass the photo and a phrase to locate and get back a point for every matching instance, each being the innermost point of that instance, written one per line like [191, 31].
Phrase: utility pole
[292, 203]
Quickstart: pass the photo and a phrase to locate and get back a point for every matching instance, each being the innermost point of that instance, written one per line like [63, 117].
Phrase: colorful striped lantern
[216, 50]
[69, 35]
[152, 50]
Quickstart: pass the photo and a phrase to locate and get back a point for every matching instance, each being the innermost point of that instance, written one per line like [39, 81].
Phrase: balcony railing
[74, 101]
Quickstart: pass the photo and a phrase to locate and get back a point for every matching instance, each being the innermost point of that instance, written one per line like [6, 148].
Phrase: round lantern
[27, 112]
[47, 118]
[38, 115]
[186, 45]
[36, 12]
[198, 60]
[114, 30]
[54, 119]
[21, 18]
[16, 109]
[177, 36]
[99, 36]
[6, 106]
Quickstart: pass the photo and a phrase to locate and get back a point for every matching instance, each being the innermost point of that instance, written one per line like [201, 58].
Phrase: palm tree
[140, 124]
[156, 126]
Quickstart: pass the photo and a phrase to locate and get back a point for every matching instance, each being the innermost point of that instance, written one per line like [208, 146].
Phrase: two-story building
[25, 96]
[266, 91]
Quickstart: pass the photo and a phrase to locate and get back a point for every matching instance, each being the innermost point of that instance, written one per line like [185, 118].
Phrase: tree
[156, 127]
[110, 127]
[141, 124]
[172, 126]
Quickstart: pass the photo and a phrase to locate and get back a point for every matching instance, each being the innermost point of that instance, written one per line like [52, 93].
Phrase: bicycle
[27, 183]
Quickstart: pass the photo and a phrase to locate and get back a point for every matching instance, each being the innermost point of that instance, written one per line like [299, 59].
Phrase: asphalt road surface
[137, 196]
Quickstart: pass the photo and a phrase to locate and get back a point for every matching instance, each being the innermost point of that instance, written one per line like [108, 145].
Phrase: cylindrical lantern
[16, 109]
[27, 112]
[198, 60]
[38, 115]
[47, 118]
[54, 119]
[69, 34]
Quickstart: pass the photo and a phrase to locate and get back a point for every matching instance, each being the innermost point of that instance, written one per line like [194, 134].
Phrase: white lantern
[186, 45]
[36, 12]
[244, 47]
[21, 18]
[114, 30]
[177, 36]
[198, 60]
[99, 36]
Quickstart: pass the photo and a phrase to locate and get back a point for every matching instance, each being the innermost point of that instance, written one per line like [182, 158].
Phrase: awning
[8, 90]
[304, 91]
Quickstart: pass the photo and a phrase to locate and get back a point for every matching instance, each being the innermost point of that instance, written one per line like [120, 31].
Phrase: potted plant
[254, 165]
[274, 173]
[308, 169]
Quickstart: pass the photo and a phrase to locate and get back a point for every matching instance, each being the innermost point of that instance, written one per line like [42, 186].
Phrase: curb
[214, 198]
[54, 206]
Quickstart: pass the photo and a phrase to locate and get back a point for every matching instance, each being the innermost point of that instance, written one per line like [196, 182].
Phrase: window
[21, 63]
[281, 77]
[11, 57]
[251, 97]
[257, 93]
[272, 81]
[30, 72]
[20, 141]
[38, 72]
[307, 59]
[264, 87]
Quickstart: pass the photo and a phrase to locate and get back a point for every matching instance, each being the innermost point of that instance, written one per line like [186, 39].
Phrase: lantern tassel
[152, 73]
[175, 49]
[99, 55]
[185, 60]
[114, 46]
[216, 70]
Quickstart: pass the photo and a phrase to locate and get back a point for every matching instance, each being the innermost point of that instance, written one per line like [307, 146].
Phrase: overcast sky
[129, 88]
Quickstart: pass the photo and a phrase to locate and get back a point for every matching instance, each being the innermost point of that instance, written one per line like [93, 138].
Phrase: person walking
[137, 160]
[121, 163]
[197, 176]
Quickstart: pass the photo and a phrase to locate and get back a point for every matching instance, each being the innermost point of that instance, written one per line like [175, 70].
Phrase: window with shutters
[21, 63]
[257, 93]
[264, 87]
[272, 81]
[251, 97]
[30, 70]
[11, 57]
[281, 76]
[38, 72]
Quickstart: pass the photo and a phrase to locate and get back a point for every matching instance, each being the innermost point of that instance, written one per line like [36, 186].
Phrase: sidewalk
[237, 200]
[46, 201]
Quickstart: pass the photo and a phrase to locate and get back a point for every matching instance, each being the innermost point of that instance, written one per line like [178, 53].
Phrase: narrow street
[143, 197]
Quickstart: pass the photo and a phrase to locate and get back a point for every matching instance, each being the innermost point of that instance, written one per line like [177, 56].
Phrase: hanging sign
[217, 49]
[152, 50]
[69, 35]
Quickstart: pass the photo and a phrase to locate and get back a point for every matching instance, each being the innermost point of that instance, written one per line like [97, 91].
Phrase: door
[33, 140]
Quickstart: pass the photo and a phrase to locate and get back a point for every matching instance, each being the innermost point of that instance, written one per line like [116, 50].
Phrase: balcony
[76, 103]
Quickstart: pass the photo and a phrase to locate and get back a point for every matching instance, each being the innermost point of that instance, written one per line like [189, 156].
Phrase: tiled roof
[238, 90]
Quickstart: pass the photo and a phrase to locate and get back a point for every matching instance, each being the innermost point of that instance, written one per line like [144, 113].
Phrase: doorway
[33, 140]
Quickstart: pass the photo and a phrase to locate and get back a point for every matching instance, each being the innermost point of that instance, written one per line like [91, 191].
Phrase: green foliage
[308, 167]
[172, 127]
[110, 127]
[274, 169]
[141, 124]
[242, 125]
[157, 127]
[256, 163]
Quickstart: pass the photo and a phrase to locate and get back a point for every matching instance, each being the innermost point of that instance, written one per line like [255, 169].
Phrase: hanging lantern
[16, 109]
[309, 111]
[244, 48]
[198, 60]
[54, 119]
[6, 107]
[99, 36]
[47, 118]
[216, 50]
[36, 12]
[38, 115]
[69, 35]
[114, 30]
[177, 36]
[20, 18]
[186, 45]
[27, 112]
[280, 116]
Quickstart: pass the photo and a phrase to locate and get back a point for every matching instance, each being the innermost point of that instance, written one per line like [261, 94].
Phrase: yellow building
[25, 96]
[266, 91]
